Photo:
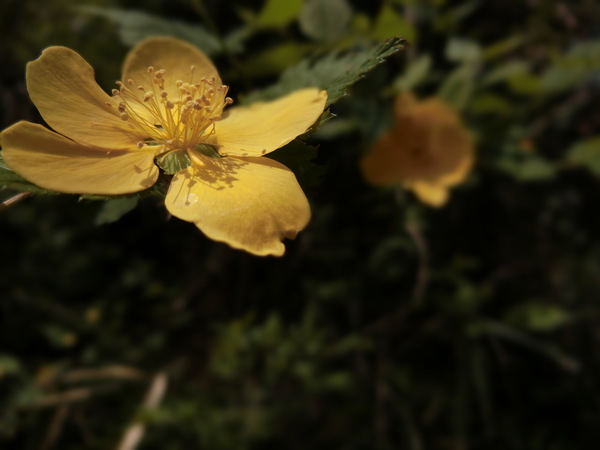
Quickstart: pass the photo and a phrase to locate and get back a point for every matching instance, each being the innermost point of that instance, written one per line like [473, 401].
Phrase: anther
[140, 144]
[122, 107]
[169, 105]
[228, 100]
[163, 94]
[130, 82]
[148, 95]
[115, 92]
[150, 69]
[124, 116]
[179, 83]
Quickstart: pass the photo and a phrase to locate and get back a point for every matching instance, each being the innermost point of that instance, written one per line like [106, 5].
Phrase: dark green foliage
[388, 324]
[334, 72]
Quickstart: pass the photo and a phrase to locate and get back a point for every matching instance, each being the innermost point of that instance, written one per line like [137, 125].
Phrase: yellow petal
[174, 56]
[53, 162]
[62, 87]
[263, 127]
[458, 146]
[249, 203]
[385, 162]
[431, 194]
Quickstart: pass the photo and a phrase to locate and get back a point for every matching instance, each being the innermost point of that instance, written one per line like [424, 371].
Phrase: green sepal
[207, 150]
[173, 162]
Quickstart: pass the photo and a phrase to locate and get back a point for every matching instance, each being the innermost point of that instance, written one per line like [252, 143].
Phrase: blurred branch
[414, 232]
[55, 427]
[116, 372]
[572, 103]
[14, 200]
[552, 352]
[134, 433]
[61, 398]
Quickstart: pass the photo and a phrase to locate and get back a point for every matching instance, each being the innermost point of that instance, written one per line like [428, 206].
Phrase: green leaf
[490, 103]
[505, 71]
[9, 365]
[570, 70]
[458, 87]
[135, 26]
[325, 20]
[113, 210]
[298, 157]
[524, 83]
[276, 59]
[528, 168]
[539, 316]
[463, 50]
[389, 23]
[173, 162]
[278, 13]
[502, 48]
[414, 74]
[586, 153]
[334, 72]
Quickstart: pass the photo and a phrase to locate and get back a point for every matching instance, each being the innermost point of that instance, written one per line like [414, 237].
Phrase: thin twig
[423, 269]
[14, 200]
[111, 372]
[55, 428]
[135, 432]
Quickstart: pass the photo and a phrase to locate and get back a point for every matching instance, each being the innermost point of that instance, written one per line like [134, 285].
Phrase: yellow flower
[428, 150]
[171, 100]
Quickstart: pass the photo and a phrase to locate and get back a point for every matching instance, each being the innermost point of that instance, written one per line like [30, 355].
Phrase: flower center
[178, 120]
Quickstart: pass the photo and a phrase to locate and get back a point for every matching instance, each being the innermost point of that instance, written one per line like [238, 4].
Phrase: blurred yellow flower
[170, 102]
[428, 150]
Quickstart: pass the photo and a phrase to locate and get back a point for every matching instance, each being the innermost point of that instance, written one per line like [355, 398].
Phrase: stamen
[179, 121]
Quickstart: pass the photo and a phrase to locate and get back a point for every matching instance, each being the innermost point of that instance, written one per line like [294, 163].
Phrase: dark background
[387, 324]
